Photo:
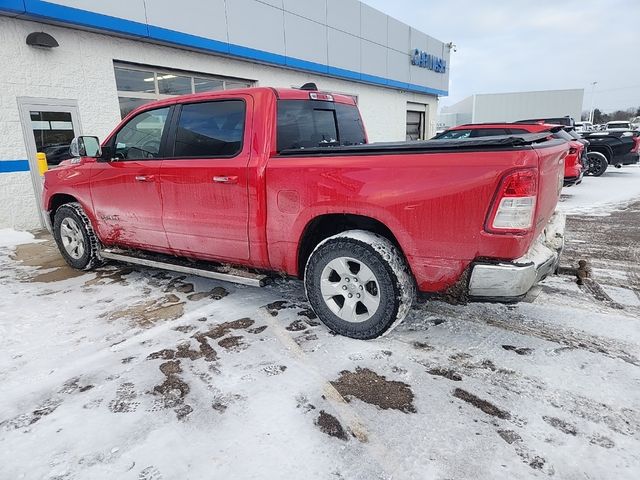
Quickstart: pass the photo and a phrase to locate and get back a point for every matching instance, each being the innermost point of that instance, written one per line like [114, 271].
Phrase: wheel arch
[606, 150]
[56, 201]
[324, 226]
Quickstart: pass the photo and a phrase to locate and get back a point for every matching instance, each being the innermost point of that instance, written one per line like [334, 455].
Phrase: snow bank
[601, 195]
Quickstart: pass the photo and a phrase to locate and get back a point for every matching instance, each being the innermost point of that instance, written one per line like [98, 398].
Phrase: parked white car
[584, 127]
[618, 126]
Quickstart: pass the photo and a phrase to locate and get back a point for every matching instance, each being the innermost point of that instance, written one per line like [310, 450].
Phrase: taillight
[636, 147]
[515, 203]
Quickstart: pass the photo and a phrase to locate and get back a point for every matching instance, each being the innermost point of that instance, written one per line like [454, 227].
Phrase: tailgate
[551, 175]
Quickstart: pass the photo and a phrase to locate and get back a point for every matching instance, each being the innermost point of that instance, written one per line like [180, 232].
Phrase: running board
[225, 273]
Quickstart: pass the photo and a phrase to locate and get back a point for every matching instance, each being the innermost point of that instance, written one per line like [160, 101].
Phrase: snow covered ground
[599, 195]
[141, 374]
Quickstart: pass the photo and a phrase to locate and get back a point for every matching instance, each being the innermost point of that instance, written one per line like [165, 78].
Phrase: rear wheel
[74, 235]
[597, 163]
[359, 284]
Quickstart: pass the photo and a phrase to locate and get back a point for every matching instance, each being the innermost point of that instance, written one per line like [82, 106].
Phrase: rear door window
[210, 129]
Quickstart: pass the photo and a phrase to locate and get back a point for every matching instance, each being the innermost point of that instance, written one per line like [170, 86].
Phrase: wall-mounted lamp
[41, 39]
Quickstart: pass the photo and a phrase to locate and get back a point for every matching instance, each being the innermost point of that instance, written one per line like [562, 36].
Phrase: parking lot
[135, 373]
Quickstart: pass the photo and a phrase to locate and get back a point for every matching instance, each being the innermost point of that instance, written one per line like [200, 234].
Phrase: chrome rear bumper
[508, 281]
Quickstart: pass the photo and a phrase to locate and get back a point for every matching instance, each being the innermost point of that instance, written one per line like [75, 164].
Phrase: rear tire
[358, 284]
[75, 237]
[598, 163]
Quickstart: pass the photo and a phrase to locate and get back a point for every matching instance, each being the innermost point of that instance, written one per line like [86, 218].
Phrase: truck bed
[499, 142]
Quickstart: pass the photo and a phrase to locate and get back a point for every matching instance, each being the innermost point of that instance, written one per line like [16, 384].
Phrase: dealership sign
[423, 59]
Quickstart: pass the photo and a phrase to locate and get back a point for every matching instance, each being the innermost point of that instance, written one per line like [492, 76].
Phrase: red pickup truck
[234, 184]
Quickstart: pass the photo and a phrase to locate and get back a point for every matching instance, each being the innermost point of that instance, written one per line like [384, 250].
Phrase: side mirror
[85, 146]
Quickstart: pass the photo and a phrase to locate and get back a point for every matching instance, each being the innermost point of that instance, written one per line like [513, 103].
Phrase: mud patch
[485, 406]
[257, 330]
[330, 425]
[125, 401]
[173, 390]
[272, 370]
[107, 276]
[561, 425]
[27, 419]
[518, 350]
[221, 330]
[368, 386]
[509, 436]
[274, 307]
[233, 343]
[601, 441]
[46, 258]
[446, 373]
[148, 313]
[182, 351]
[216, 293]
[297, 326]
[422, 346]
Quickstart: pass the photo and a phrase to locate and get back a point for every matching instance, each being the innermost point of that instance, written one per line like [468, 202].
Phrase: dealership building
[72, 67]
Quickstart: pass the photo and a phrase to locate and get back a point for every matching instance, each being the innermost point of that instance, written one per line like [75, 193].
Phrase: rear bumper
[510, 281]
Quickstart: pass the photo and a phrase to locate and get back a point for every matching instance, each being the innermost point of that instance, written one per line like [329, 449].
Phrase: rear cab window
[310, 123]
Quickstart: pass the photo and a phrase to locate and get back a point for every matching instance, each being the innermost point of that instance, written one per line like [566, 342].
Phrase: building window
[415, 125]
[138, 85]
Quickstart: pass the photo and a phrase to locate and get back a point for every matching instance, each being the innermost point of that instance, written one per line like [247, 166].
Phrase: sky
[521, 45]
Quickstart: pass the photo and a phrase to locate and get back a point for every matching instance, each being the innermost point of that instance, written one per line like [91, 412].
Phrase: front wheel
[597, 163]
[359, 284]
[74, 235]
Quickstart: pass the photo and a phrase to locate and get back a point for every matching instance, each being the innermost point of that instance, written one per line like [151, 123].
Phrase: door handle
[226, 179]
[144, 178]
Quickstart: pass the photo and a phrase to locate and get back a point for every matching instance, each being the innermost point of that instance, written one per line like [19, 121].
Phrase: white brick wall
[81, 68]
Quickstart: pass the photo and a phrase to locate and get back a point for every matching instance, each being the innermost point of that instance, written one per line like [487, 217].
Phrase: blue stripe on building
[40, 10]
[11, 166]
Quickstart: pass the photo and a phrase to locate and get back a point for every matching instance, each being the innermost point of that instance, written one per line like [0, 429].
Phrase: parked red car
[284, 180]
[573, 163]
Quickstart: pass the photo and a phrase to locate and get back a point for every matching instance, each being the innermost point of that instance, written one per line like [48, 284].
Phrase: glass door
[48, 126]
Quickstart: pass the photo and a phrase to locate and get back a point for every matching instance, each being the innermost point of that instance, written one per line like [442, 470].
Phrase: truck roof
[280, 93]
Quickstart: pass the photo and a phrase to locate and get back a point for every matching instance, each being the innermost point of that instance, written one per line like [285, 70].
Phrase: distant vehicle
[619, 126]
[584, 126]
[567, 121]
[574, 163]
[619, 147]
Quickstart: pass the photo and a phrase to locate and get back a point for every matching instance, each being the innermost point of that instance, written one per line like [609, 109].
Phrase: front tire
[359, 284]
[75, 237]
